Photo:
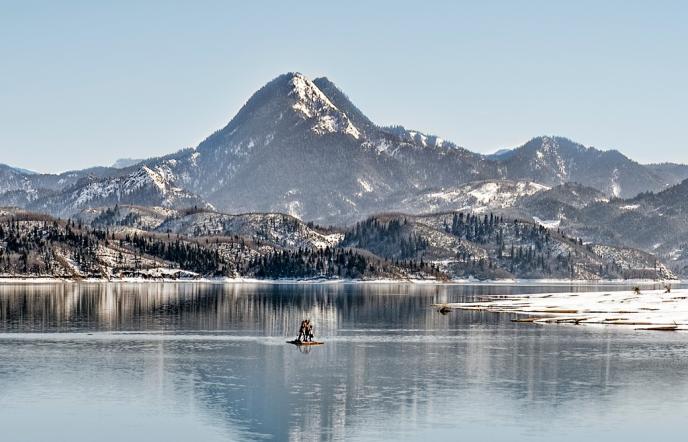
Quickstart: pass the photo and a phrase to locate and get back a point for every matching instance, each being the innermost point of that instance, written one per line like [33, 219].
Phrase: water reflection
[209, 362]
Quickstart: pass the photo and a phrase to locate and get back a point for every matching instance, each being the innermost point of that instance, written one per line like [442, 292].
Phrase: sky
[84, 83]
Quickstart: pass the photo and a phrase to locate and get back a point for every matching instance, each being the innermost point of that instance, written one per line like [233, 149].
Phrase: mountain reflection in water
[210, 362]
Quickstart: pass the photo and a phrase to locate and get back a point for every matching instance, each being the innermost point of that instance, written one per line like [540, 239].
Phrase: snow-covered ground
[647, 310]
[547, 223]
[477, 196]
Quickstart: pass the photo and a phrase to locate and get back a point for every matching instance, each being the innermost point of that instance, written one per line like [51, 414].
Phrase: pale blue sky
[85, 83]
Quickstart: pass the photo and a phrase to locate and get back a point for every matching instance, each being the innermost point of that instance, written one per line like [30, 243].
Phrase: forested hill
[490, 246]
[125, 242]
[40, 246]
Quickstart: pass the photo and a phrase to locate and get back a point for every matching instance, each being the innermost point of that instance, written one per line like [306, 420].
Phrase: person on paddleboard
[309, 332]
[303, 331]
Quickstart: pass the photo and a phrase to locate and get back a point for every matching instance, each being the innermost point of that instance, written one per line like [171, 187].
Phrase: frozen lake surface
[209, 362]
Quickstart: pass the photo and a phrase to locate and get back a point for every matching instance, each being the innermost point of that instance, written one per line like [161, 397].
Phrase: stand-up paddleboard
[304, 343]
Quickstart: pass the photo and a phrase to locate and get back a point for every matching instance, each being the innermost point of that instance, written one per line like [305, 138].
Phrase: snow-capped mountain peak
[310, 99]
[312, 103]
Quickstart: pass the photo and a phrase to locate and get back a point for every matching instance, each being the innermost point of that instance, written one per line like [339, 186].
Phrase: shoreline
[322, 281]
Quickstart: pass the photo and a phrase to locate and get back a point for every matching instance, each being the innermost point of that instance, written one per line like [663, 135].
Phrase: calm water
[202, 362]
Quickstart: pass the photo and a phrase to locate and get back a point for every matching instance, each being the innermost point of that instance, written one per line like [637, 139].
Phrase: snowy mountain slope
[557, 160]
[365, 126]
[16, 185]
[477, 196]
[145, 186]
[573, 194]
[292, 149]
[656, 223]
[276, 229]
[22, 188]
[288, 149]
[560, 202]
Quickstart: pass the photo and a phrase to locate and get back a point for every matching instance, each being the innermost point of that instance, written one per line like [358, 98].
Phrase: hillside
[490, 246]
[476, 196]
[556, 160]
[275, 229]
[34, 245]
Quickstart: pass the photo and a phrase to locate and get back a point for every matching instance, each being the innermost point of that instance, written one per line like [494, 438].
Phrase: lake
[209, 362]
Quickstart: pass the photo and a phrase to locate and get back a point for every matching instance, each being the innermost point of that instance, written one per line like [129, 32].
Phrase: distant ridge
[125, 162]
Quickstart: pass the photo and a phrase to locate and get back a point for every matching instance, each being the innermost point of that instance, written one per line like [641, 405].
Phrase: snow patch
[548, 223]
[630, 207]
[615, 186]
[639, 311]
[365, 185]
[312, 103]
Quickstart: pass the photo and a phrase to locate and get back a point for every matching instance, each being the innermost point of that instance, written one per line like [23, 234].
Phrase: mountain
[556, 160]
[559, 203]
[145, 186]
[500, 154]
[19, 188]
[17, 169]
[13, 179]
[293, 148]
[671, 172]
[302, 147]
[289, 149]
[654, 222]
[125, 162]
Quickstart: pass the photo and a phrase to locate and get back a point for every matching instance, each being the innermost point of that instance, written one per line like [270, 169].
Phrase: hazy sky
[85, 83]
